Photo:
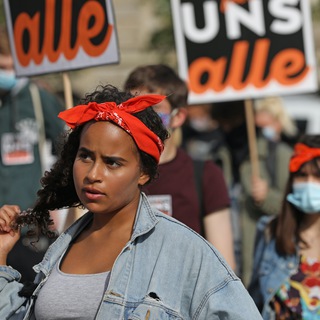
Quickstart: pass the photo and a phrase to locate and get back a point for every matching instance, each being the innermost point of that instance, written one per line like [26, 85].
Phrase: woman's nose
[312, 178]
[94, 173]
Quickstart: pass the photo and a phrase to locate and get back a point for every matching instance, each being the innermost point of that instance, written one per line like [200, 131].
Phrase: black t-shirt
[175, 190]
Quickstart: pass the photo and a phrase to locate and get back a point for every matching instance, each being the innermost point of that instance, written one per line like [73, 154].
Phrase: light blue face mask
[269, 133]
[7, 80]
[306, 197]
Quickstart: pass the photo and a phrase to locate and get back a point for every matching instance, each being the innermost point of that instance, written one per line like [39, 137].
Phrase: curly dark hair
[58, 190]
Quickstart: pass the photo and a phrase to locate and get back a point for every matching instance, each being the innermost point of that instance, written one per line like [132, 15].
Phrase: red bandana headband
[145, 139]
[301, 155]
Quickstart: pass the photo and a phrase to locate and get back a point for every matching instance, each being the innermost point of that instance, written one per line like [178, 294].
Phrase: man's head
[161, 79]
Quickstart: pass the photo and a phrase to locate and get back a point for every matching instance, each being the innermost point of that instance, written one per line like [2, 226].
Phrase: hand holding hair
[8, 234]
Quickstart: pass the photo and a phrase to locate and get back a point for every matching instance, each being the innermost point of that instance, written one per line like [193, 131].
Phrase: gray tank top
[70, 296]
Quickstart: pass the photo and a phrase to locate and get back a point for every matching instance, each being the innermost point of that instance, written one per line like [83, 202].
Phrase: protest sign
[54, 35]
[243, 49]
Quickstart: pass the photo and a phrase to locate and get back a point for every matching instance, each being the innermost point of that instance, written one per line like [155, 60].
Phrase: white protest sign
[51, 35]
[240, 49]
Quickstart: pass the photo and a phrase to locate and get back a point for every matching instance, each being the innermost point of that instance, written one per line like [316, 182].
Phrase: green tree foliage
[316, 11]
[162, 39]
[2, 16]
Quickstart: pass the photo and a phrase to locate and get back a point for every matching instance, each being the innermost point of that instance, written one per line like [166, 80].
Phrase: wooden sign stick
[68, 98]
[252, 137]
[74, 213]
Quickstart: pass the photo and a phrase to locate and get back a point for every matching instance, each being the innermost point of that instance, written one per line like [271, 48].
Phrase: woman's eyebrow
[114, 158]
[105, 157]
[83, 149]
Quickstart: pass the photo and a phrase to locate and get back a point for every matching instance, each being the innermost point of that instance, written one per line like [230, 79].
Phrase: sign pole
[74, 213]
[67, 90]
[252, 137]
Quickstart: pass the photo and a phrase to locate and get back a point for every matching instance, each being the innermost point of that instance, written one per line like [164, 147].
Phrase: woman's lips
[92, 194]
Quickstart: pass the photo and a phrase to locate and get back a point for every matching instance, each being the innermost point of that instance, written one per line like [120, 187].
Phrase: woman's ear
[144, 178]
[179, 118]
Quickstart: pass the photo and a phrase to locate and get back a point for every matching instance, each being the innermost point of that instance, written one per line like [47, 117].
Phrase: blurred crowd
[225, 205]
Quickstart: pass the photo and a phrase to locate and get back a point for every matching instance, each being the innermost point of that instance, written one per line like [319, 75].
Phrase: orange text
[90, 10]
[287, 68]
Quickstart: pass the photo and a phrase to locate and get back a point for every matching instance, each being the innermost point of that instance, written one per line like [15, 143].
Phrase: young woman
[122, 259]
[286, 275]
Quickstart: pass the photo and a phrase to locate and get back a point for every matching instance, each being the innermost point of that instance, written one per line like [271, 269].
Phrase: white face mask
[200, 124]
[7, 80]
[269, 133]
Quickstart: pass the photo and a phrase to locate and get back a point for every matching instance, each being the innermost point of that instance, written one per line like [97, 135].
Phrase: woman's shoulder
[187, 249]
[174, 232]
[170, 224]
[161, 233]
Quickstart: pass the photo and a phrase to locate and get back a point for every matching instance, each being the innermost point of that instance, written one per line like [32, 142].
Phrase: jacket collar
[144, 222]
[145, 218]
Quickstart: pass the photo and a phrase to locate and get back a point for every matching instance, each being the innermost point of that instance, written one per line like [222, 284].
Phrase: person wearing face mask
[198, 199]
[202, 135]
[274, 121]
[286, 277]
[252, 196]
[28, 126]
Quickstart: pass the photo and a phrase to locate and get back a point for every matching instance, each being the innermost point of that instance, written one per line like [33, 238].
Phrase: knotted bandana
[121, 115]
[301, 155]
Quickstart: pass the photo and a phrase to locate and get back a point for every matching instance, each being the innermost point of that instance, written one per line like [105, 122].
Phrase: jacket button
[290, 265]
[270, 290]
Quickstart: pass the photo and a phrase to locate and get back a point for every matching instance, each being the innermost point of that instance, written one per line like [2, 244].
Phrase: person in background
[122, 259]
[251, 196]
[28, 130]
[201, 134]
[286, 274]
[197, 197]
[274, 121]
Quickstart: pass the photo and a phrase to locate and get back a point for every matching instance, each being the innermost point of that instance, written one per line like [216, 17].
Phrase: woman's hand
[259, 189]
[8, 236]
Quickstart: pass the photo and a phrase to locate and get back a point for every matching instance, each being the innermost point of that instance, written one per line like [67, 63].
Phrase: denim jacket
[166, 271]
[270, 270]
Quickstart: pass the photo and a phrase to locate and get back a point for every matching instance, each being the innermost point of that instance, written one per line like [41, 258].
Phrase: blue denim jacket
[166, 271]
[270, 270]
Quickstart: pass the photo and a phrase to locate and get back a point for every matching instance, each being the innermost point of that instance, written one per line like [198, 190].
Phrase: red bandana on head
[145, 139]
[301, 155]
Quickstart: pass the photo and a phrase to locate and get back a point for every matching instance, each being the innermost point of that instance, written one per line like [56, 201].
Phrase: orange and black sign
[237, 49]
[55, 35]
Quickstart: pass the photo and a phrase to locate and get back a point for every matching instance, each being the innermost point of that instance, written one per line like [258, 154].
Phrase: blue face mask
[306, 197]
[7, 80]
[166, 117]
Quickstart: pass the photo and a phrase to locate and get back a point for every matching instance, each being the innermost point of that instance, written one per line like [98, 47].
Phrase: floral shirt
[299, 297]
